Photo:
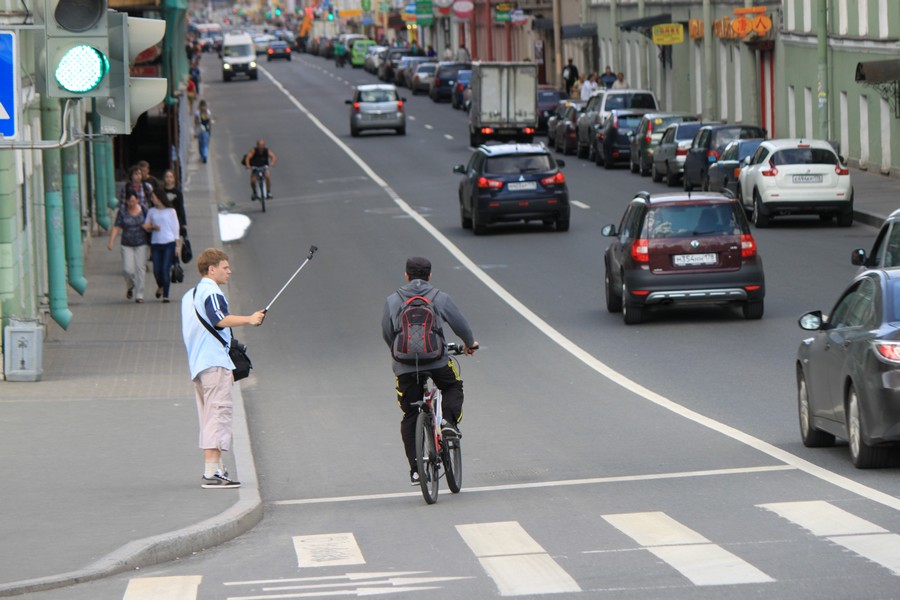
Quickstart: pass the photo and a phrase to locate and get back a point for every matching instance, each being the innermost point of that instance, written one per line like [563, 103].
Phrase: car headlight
[253, 64]
[226, 66]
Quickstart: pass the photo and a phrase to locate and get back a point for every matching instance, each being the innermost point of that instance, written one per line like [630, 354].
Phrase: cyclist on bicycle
[410, 383]
[260, 156]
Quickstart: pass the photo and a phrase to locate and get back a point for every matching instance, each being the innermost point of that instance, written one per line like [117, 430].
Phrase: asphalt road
[653, 461]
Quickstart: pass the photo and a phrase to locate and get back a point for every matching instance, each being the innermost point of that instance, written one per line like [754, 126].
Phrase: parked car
[556, 116]
[682, 249]
[649, 133]
[612, 145]
[422, 75]
[444, 79]
[707, 146]
[373, 58]
[668, 158]
[598, 108]
[458, 96]
[376, 106]
[886, 249]
[566, 132]
[359, 51]
[391, 60]
[724, 173]
[278, 49]
[796, 177]
[261, 42]
[512, 182]
[403, 73]
[846, 372]
[547, 99]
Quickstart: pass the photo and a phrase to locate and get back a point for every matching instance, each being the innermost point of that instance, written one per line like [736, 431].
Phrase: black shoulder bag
[237, 351]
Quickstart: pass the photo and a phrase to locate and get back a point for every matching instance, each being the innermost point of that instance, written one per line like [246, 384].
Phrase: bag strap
[209, 327]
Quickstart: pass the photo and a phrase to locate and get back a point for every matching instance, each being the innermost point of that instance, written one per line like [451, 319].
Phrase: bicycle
[432, 451]
[261, 189]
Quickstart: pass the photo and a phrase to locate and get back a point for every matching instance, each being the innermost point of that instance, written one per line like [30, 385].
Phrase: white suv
[796, 176]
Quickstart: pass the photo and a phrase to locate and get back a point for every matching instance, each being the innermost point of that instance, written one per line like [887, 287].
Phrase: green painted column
[51, 128]
[99, 149]
[72, 219]
[8, 237]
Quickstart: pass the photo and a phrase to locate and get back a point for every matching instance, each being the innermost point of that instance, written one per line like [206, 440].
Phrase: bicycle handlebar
[457, 349]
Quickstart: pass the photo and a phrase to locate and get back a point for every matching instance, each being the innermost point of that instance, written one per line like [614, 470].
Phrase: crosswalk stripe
[687, 551]
[170, 588]
[514, 560]
[327, 550]
[845, 529]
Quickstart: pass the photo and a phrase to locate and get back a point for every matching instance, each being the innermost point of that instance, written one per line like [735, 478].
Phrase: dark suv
[444, 79]
[708, 144]
[682, 248]
[612, 144]
[512, 182]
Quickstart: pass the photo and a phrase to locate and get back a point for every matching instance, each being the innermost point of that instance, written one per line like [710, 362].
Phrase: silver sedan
[376, 106]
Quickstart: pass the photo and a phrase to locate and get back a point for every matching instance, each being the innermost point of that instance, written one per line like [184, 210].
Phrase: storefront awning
[878, 71]
[578, 30]
[645, 24]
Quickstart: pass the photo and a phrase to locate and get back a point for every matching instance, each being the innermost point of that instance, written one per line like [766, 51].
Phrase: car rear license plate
[807, 179]
[518, 186]
[695, 260]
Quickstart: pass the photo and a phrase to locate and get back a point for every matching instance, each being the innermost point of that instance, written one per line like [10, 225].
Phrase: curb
[245, 514]
[868, 218]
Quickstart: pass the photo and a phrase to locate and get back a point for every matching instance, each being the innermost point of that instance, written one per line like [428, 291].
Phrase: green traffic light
[331, 16]
[81, 69]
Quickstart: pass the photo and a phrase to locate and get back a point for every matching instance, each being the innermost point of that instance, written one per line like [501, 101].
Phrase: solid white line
[171, 588]
[546, 484]
[348, 576]
[585, 357]
[448, 136]
[427, 126]
[579, 204]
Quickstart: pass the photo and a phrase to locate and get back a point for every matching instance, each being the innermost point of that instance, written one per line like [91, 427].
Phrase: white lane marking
[327, 550]
[822, 518]
[347, 576]
[579, 204]
[427, 126]
[514, 560]
[351, 592]
[448, 136]
[589, 360]
[844, 529]
[687, 551]
[170, 588]
[411, 118]
[545, 484]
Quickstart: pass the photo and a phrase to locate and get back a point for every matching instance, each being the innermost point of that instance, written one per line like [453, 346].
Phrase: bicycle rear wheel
[452, 457]
[426, 458]
[263, 192]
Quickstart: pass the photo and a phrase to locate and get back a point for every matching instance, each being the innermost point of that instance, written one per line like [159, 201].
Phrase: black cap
[418, 267]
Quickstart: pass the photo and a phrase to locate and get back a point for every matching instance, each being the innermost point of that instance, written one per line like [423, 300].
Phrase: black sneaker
[219, 481]
[413, 478]
[269, 196]
[449, 431]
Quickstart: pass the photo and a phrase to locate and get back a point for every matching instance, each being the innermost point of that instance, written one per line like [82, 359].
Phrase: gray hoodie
[443, 303]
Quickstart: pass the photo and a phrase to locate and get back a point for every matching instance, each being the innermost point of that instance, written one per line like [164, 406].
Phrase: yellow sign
[696, 29]
[752, 10]
[761, 24]
[741, 26]
[668, 34]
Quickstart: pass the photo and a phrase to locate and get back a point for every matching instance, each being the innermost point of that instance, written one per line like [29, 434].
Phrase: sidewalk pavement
[100, 457]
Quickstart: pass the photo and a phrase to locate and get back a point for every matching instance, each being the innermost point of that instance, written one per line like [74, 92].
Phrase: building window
[738, 87]
[807, 15]
[883, 22]
[885, 136]
[698, 77]
[792, 112]
[845, 125]
[863, 17]
[863, 132]
[723, 81]
[808, 112]
[791, 9]
[843, 24]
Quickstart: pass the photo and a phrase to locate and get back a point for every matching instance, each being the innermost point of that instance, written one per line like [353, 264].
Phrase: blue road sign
[9, 86]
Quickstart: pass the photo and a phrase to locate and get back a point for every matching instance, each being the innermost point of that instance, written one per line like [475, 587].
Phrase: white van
[238, 56]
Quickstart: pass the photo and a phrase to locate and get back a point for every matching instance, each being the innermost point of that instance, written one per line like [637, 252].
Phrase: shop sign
[463, 9]
[501, 16]
[518, 16]
[442, 8]
[722, 29]
[695, 26]
[668, 34]
[424, 12]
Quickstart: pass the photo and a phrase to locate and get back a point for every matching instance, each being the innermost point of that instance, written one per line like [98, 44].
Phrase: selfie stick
[312, 250]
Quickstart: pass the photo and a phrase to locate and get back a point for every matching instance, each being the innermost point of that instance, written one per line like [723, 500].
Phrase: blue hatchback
[458, 95]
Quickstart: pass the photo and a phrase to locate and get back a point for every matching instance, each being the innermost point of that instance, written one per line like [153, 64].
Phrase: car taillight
[771, 171]
[649, 137]
[437, 81]
[841, 170]
[356, 107]
[681, 152]
[737, 172]
[288, 50]
[529, 130]
[491, 184]
[270, 51]
[487, 130]
[399, 105]
[615, 122]
[640, 250]
[459, 87]
[888, 350]
[748, 246]
[557, 179]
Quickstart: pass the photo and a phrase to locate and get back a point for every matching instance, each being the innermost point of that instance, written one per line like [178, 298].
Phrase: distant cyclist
[410, 386]
[260, 156]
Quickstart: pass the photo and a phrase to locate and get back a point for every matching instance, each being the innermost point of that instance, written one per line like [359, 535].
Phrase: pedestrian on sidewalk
[209, 362]
[608, 78]
[176, 196]
[165, 243]
[136, 185]
[135, 246]
[203, 127]
[620, 83]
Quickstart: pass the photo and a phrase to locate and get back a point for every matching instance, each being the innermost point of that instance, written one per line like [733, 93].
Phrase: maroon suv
[680, 249]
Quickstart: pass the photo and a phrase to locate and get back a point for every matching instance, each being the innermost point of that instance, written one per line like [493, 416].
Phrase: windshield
[242, 50]
[695, 220]
[518, 163]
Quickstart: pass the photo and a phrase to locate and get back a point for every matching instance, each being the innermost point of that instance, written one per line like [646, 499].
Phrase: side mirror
[812, 321]
[403, 100]
[459, 169]
[609, 231]
[858, 257]
[560, 163]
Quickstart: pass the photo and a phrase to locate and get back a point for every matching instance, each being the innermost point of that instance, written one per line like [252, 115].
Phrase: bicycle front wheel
[263, 192]
[452, 457]
[426, 458]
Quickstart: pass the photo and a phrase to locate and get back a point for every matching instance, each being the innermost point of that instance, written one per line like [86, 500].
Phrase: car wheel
[551, 141]
[478, 228]
[687, 185]
[655, 175]
[671, 178]
[465, 221]
[641, 169]
[562, 224]
[845, 219]
[592, 153]
[812, 437]
[613, 300]
[863, 455]
[581, 151]
[634, 168]
[760, 219]
[597, 157]
[401, 130]
[753, 309]
[632, 315]
[608, 161]
[354, 132]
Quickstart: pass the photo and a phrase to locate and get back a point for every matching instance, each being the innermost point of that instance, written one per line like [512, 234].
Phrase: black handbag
[186, 253]
[237, 352]
[177, 274]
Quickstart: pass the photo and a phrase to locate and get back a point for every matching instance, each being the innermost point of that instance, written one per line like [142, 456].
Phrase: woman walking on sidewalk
[203, 127]
[165, 243]
[135, 246]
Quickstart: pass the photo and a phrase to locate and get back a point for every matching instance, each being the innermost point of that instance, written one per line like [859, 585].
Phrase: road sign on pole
[9, 86]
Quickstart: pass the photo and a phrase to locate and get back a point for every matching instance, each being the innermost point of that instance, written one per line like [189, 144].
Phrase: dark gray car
[707, 147]
[668, 158]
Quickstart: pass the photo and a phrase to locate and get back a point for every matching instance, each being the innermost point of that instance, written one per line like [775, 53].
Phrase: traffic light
[73, 53]
[331, 14]
[129, 97]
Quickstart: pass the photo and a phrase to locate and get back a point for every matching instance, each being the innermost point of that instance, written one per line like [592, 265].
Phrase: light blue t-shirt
[203, 349]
